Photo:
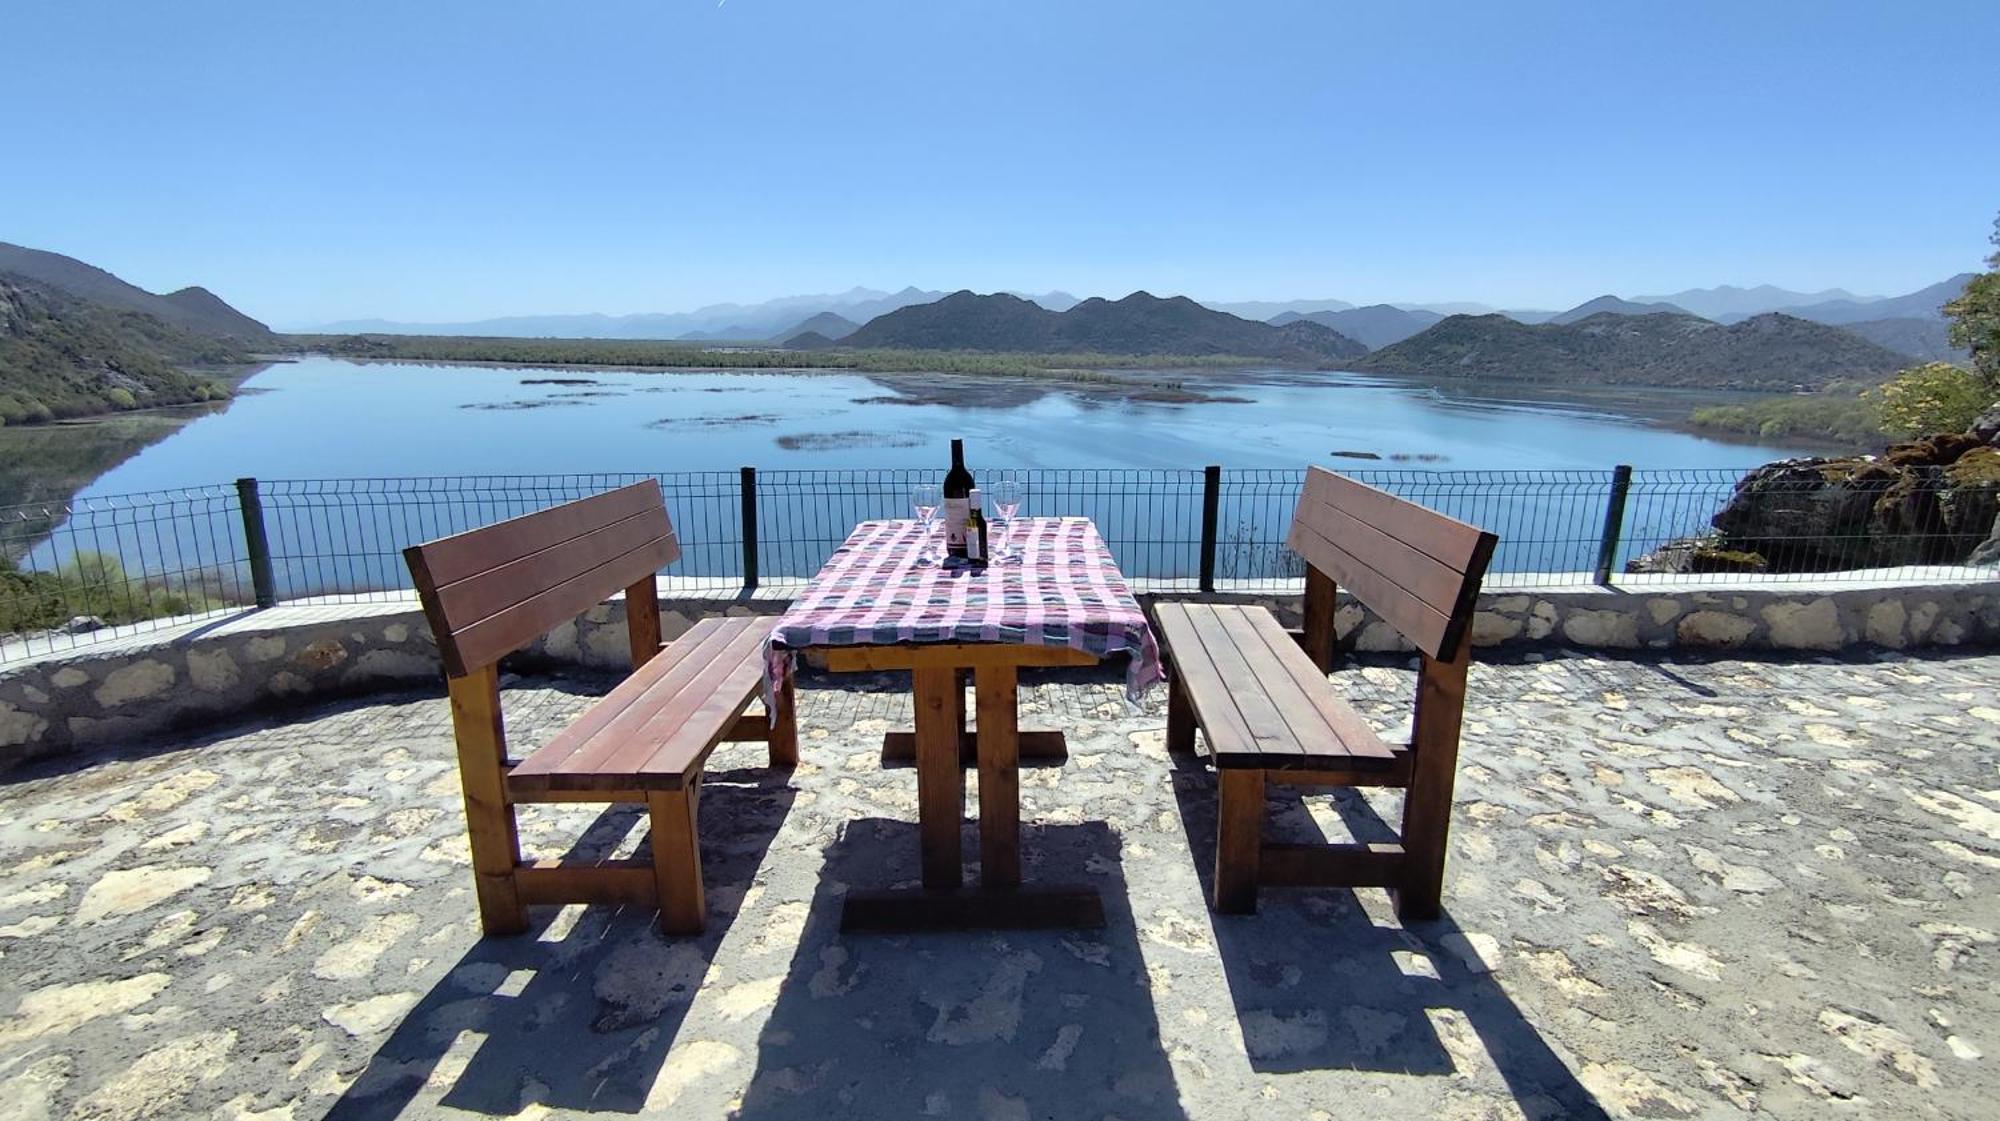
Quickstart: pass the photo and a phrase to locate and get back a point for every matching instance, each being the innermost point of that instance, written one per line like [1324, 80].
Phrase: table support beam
[999, 748]
[940, 714]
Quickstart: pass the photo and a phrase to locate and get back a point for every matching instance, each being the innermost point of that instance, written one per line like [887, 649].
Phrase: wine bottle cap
[974, 496]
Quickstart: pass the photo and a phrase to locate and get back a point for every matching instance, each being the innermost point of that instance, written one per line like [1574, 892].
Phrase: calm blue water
[324, 418]
[330, 419]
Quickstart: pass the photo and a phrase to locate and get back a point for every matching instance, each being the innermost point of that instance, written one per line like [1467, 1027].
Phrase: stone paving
[1678, 889]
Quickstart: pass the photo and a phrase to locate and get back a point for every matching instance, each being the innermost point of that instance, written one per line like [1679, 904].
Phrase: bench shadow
[579, 1012]
[1019, 1023]
[1318, 984]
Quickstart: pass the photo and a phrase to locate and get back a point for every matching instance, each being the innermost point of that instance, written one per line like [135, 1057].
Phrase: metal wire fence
[76, 573]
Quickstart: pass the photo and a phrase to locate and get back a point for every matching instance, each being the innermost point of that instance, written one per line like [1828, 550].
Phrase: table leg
[999, 776]
[940, 708]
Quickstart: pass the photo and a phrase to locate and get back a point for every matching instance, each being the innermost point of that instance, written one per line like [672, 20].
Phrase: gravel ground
[1678, 889]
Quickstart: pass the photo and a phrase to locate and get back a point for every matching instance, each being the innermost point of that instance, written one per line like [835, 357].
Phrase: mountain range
[1770, 352]
[1924, 303]
[780, 318]
[1141, 323]
[1376, 325]
[1729, 301]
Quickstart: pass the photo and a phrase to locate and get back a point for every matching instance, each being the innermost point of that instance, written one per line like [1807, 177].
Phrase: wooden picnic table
[1059, 601]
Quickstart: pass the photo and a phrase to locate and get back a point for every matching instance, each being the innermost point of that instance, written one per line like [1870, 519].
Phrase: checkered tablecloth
[1061, 588]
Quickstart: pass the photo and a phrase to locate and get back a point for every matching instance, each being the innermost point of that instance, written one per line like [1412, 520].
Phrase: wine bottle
[976, 550]
[957, 502]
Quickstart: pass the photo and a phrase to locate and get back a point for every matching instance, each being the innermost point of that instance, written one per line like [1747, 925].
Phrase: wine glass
[924, 500]
[1006, 500]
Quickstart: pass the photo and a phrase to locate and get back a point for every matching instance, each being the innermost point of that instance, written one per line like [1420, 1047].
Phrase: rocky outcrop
[1924, 502]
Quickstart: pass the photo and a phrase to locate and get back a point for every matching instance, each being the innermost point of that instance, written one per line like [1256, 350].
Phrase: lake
[327, 418]
[322, 419]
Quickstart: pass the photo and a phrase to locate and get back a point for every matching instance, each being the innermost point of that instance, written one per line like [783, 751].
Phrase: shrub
[1935, 397]
[96, 584]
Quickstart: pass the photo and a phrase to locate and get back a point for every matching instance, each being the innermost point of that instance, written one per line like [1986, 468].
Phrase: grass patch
[1838, 414]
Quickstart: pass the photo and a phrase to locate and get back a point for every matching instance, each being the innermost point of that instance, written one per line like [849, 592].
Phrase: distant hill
[63, 356]
[808, 340]
[1925, 339]
[1614, 306]
[1374, 326]
[725, 334]
[1924, 303]
[1728, 304]
[1141, 323]
[195, 310]
[1766, 352]
[826, 324]
[1265, 309]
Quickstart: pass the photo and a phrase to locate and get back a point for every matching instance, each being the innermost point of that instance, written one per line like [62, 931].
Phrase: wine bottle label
[955, 511]
[973, 550]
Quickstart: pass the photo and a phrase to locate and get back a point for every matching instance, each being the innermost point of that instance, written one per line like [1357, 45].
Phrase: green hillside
[1765, 352]
[63, 357]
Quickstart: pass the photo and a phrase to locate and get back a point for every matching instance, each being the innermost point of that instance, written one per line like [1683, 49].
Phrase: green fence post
[1211, 505]
[749, 528]
[262, 585]
[1614, 523]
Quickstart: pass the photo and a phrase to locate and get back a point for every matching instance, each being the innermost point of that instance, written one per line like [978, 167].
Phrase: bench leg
[489, 817]
[1180, 719]
[1433, 771]
[677, 859]
[1239, 839]
[784, 738]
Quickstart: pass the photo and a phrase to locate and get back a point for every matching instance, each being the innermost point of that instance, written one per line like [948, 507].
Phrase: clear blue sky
[444, 160]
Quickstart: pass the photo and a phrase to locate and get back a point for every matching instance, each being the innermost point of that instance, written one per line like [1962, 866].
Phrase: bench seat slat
[628, 705]
[1269, 734]
[1305, 725]
[1195, 673]
[1269, 682]
[664, 723]
[1356, 743]
[680, 734]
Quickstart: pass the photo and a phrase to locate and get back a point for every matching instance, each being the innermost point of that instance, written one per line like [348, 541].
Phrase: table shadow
[604, 996]
[1040, 1024]
[1318, 984]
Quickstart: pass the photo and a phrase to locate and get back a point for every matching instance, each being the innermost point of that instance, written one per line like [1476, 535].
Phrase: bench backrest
[1414, 567]
[491, 591]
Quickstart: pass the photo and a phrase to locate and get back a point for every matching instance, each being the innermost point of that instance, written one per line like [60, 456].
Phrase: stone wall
[266, 660]
[1799, 618]
[270, 659]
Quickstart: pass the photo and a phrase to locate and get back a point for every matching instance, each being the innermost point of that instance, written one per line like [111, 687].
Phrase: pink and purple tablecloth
[1059, 588]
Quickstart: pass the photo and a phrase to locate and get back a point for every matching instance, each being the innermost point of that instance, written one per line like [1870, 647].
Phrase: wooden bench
[492, 591]
[1261, 697]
